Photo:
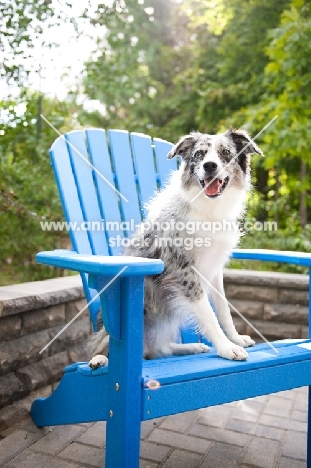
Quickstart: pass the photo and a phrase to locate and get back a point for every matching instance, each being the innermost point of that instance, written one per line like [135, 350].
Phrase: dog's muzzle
[214, 186]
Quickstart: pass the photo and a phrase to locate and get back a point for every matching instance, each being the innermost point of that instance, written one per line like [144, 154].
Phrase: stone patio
[266, 432]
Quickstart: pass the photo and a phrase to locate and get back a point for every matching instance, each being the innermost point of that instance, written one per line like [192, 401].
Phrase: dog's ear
[184, 146]
[242, 140]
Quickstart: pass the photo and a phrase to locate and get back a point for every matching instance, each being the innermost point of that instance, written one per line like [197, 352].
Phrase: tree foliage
[22, 23]
[28, 191]
[287, 86]
[139, 69]
[170, 67]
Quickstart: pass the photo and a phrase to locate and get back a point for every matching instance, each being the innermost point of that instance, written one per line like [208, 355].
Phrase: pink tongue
[212, 188]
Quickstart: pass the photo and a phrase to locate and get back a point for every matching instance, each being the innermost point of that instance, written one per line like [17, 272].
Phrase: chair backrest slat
[164, 166]
[145, 168]
[121, 155]
[67, 188]
[104, 179]
[69, 195]
[86, 190]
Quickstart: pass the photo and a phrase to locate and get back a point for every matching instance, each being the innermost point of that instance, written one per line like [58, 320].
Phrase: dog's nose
[210, 166]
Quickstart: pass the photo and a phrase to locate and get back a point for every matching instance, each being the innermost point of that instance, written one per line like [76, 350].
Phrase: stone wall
[275, 303]
[31, 314]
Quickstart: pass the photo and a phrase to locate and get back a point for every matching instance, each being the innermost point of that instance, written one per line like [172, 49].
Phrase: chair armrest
[105, 275]
[99, 264]
[300, 258]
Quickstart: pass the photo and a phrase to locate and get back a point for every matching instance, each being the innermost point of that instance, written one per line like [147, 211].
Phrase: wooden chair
[89, 167]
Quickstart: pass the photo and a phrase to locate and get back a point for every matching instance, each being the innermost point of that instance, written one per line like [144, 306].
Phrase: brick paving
[262, 432]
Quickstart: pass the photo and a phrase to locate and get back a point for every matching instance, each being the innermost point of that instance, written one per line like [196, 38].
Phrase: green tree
[21, 25]
[232, 61]
[28, 191]
[287, 85]
[287, 143]
[169, 67]
[135, 71]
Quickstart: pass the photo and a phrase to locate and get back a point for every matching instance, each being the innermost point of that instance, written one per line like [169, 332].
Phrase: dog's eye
[197, 155]
[226, 152]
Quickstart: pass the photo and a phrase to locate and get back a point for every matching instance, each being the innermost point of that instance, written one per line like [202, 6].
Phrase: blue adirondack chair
[130, 390]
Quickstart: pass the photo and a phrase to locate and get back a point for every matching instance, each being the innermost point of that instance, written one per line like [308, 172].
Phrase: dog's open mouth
[214, 186]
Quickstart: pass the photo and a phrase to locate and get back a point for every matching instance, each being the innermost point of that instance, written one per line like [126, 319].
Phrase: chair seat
[176, 369]
[184, 368]
[184, 383]
[177, 384]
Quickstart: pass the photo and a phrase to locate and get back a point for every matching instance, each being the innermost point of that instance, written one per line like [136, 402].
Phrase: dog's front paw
[232, 351]
[98, 361]
[243, 340]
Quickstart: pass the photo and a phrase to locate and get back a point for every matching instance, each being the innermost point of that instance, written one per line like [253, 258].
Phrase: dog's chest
[212, 256]
[219, 236]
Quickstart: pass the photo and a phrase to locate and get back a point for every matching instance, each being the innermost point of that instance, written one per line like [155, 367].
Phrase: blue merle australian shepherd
[209, 187]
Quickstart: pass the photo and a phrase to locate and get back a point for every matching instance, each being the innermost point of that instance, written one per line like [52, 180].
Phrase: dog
[209, 187]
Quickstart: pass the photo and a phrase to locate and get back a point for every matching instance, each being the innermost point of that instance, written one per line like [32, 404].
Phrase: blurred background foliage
[161, 67]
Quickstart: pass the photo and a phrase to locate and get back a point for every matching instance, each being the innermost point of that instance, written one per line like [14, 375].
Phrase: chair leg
[125, 381]
[123, 440]
[309, 430]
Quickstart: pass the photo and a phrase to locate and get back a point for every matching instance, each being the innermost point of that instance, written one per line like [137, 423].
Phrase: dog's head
[216, 162]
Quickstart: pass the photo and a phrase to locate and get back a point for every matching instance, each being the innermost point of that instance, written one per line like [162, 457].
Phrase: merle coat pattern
[210, 186]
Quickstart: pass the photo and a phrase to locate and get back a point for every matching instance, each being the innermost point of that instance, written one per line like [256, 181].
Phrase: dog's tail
[99, 343]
